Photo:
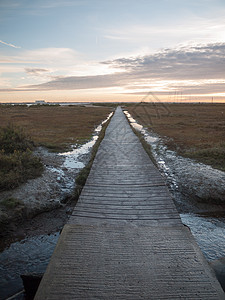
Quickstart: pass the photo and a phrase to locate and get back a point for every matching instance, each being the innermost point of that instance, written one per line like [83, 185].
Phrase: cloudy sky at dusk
[83, 50]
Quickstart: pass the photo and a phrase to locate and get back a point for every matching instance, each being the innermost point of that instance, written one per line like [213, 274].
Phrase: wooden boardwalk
[125, 239]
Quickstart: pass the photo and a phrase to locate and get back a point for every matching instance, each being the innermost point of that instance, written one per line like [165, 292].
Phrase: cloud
[79, 82]
[196, 62]
[10, 45]
[52, 55]
[181, 89]
[188, 29]
[10, 69]
[196, 69]
[47, 56]
[36, 71]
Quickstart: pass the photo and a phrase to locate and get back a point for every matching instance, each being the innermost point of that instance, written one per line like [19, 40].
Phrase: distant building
[40, 102]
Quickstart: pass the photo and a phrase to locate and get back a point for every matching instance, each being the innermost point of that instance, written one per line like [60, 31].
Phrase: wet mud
[31, 244]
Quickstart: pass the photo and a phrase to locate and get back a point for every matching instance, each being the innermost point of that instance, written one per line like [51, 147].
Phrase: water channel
[33, 254]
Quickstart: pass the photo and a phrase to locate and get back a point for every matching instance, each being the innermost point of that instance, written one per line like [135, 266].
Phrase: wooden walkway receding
[125, 239]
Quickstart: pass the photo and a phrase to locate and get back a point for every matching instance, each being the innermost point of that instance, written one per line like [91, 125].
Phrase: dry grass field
[56, 127]
[22, 128]
[193, 130]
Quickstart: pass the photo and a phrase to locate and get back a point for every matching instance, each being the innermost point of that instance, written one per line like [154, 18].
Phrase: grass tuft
[214, 156]
[13, 138]
[17, 163]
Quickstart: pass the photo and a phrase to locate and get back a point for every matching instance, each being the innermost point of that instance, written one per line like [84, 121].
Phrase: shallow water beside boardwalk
[27, 256]
[209, 234]
[33, 254]
[209, 231]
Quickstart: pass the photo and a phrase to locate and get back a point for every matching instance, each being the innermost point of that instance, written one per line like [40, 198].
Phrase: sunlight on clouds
[91, 68]
[101, 95]
[170, 86]
[46, 64]
[65, 60]
[177, 70]
[95, 49]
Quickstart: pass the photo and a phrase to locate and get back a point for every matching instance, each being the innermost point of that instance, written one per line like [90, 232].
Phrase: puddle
[72, 157]
[75, 160]
[209, 233]
[186, 178]
[33, 254]
[149, 138]
[27, 256]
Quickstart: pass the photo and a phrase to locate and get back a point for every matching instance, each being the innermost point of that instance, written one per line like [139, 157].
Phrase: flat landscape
[56, 127]
[183, 127]
[193, 130]
[23, 128]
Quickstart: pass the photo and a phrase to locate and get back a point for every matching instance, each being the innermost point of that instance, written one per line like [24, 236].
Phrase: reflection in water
[209, 232]
[71, 157]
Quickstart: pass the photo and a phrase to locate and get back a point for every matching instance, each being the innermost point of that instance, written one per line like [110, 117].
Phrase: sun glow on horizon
[174, 49]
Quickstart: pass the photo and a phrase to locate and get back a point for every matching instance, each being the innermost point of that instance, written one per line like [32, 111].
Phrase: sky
[114, 50]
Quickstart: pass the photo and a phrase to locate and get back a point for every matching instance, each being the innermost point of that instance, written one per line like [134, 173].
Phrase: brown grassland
[23, 128]
[193, 130]
[56, 127]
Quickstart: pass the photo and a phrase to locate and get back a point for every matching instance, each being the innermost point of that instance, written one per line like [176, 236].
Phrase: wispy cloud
[188, 29]
[79, 82]
[198, 69]
[46, 56]
[36, 71]
[10, 45]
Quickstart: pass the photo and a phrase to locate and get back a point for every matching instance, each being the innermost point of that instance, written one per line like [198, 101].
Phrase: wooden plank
[125, 238]
[110, 262]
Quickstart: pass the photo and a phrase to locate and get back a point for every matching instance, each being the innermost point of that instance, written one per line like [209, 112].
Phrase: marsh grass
[17, 162]
[13, 138]
[193, 130]
[52, 126]
[214, 156]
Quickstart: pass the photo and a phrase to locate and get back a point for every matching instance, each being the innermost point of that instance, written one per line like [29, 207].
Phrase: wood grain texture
[125, 239]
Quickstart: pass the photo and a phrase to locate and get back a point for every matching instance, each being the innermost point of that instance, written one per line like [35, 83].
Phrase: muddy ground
[46, 201]
[47, 204]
